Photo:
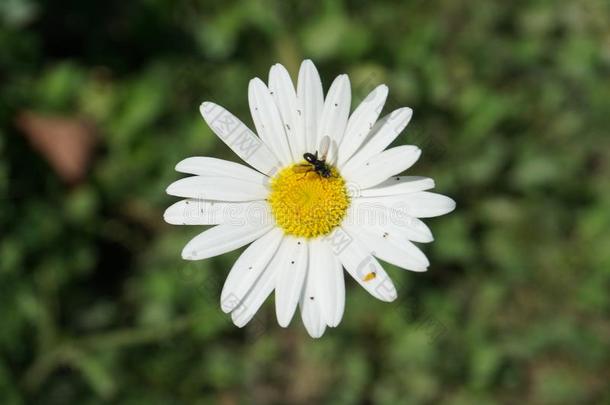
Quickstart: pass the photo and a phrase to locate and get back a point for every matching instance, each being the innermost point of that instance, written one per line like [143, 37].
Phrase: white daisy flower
[323, 196]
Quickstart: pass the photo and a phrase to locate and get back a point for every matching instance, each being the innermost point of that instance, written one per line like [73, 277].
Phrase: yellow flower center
[306, 204]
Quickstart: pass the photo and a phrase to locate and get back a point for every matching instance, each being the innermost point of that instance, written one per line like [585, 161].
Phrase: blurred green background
[99, 100]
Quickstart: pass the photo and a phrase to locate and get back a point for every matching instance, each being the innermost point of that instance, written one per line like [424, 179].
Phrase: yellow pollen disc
[307, 204]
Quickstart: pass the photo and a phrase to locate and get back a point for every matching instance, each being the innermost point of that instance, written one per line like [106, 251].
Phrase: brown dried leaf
[65, 142]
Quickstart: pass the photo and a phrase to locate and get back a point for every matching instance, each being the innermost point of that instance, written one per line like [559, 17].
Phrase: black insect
[315, 163]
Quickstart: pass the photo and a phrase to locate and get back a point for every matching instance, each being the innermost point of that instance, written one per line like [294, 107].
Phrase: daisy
[323, 195]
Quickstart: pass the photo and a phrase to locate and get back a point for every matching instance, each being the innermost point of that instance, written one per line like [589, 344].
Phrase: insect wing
[302, 168]
[324, 145]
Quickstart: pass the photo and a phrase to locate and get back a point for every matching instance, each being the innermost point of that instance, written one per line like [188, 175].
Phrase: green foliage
[511, 104]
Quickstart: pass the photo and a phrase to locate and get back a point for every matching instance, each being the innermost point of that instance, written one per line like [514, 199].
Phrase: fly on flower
[307, 229]
[314, 163]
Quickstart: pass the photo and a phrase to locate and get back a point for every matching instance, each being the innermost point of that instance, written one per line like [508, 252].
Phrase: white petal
[205, 212]
[282, 90]
[399, 185]
[248, 268]
[265, 284]
[361, 122]
[366, 212]
[327, 272]
[262, 288]
[423, 204]
[311, 310]
[311, 101]
[267, 120]
[336, 110]
[389, 247]
[217, 188]
[426, 204]
[362, 266]
[289, 280]
[208, 166]
[386, 130]
[239, 138]
[382, 166]
[222, 239]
